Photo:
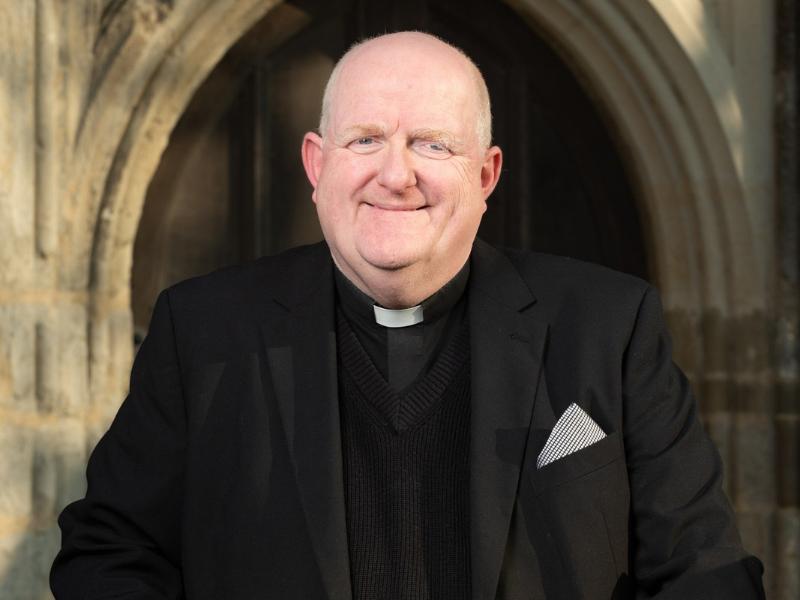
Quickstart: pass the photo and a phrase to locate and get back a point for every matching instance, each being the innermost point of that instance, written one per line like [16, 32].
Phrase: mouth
[396, 208]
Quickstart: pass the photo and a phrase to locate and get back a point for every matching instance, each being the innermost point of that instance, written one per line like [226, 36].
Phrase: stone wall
[90, 90]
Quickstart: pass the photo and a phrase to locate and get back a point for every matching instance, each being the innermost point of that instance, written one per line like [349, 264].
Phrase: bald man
[403, 412]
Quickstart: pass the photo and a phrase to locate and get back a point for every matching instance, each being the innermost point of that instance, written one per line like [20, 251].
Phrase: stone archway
[665, 104]
[151, 79]
[675, 111]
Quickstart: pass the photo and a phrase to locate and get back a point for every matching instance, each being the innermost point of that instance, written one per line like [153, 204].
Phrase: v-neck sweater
[406, 474]
[403, 354]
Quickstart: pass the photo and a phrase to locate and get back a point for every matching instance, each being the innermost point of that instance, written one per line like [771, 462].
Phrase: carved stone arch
[667, 106]
[162, 55]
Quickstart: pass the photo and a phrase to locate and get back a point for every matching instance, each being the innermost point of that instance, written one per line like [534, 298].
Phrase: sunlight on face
[400, 178]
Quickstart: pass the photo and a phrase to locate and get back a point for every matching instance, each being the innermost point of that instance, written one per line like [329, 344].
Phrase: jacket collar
[307, 394]
[506, 350]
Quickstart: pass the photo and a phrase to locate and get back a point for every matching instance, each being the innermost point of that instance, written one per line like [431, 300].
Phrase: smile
[396, 208]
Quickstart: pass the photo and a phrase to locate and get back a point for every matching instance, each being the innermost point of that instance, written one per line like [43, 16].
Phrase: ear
[490, 170]
[311, 152]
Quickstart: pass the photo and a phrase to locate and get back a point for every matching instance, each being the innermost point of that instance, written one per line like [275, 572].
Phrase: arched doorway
[674, 110]
[230, 185]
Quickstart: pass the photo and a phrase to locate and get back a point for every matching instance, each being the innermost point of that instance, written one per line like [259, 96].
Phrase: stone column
[787, 331]
[43, 318]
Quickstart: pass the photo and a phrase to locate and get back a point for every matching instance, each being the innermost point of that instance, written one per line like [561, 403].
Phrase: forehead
[405, 87]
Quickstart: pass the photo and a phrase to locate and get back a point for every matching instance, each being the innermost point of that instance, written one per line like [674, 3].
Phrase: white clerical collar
[403, 317]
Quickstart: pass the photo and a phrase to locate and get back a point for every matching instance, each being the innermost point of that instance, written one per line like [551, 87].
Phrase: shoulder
[224, 312]
[243, 284]
[593, 312]
[548, 274]
[576, 291]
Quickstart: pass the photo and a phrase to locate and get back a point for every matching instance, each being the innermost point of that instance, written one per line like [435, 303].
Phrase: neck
[400, 288]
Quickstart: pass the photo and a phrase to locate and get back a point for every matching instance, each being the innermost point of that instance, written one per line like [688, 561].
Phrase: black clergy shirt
[402, 354]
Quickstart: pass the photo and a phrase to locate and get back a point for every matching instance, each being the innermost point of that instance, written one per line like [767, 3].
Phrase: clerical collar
[359, 306]
[398, 317]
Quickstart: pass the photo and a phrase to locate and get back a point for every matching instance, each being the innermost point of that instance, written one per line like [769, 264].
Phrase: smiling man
[403, 412]
[403, 168]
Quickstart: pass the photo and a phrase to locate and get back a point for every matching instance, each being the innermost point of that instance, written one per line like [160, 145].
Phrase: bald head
[397, 48]
[402, 166]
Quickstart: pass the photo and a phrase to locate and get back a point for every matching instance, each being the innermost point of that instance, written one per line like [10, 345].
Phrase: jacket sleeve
[123, 538]
[684, 541]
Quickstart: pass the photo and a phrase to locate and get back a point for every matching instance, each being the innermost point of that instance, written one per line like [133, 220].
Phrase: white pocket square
[573, 431]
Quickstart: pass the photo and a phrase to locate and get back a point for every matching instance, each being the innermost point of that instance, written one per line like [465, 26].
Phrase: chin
[389, 263]
[391, 259]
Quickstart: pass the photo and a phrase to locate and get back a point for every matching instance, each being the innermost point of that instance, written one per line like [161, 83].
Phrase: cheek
[336, 209]
[349, 170]
[461, 187]
[466, 209]
[340, 183]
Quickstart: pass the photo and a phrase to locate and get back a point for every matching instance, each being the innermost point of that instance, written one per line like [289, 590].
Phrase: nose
[396, 172]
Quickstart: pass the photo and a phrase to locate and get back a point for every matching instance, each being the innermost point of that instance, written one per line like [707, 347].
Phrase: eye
[363, 144]
[433, 149]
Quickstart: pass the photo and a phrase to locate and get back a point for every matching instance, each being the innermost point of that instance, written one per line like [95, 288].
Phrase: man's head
[401, 168]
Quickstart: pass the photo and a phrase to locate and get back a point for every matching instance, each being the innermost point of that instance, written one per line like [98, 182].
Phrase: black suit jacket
[221, 476]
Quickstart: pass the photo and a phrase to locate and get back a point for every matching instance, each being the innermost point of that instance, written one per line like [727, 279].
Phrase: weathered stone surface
[71, 382]
[17, 143]
[715, 336]
[749, 343]
[16, 568]
[16, 473]
[687, 341]
[17, 357]
[788, 396]
[712, 391]
[787, 460]
[719, 427]
[26, 559]
[43, 353]
[787, 551]
[751, 393]
[754, 462]
[42, 470]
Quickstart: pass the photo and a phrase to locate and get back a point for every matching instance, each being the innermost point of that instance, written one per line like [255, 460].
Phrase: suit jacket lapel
[305, 383]
[507, 347]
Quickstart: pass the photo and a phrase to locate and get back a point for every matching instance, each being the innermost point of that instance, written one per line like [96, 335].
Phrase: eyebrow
[357, 131]
[437, 135]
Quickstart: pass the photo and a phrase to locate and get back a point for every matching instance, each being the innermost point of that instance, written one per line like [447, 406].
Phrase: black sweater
[406, 474]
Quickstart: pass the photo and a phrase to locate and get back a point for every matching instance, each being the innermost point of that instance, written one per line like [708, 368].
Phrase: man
[405, 412]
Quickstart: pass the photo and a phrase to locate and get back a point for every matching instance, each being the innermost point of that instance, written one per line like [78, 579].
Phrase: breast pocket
[581, 503]
[578, 464]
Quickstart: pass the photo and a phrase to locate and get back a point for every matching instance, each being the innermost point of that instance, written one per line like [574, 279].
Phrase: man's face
[400, 178]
